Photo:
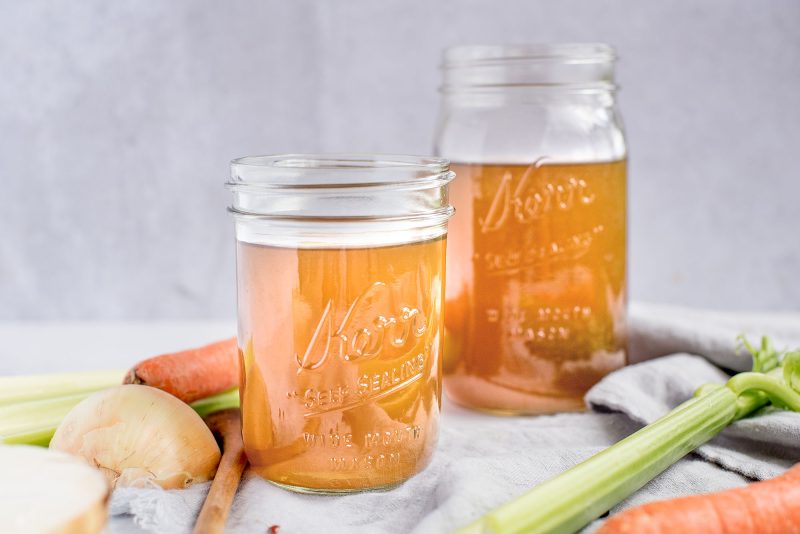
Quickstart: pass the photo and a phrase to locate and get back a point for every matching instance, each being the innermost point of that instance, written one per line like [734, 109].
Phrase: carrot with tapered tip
[770, 506]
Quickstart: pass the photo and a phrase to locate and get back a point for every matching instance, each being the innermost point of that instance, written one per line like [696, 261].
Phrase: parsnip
[49, 491]
[138, 436]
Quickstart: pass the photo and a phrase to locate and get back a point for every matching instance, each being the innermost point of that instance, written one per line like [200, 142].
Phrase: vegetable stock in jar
[536, 293]
[340, 264]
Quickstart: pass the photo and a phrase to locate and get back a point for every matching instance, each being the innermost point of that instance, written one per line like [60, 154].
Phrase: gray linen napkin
[482, 461]
[758, 447]
[657, 330]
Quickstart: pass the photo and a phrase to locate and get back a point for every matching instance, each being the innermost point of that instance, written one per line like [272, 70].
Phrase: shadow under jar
[536, 266]
[340, 274]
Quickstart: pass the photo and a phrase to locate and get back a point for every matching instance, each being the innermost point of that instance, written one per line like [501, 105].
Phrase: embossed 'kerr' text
[525, 202]
[351, 340]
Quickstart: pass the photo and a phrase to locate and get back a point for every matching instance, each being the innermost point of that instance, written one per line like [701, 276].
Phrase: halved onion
[49, 491]
[138, 436]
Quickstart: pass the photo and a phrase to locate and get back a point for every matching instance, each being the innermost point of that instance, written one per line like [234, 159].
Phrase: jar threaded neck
[570, 67]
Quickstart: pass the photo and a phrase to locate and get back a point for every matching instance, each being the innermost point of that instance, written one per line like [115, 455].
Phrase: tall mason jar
[536, 267]
[340, 275]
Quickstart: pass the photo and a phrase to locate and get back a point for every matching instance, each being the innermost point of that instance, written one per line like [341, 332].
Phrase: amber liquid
[341, 362]
[535, 284]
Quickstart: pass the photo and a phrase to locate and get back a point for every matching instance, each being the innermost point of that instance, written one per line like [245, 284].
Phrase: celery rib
[16, 389]
[34, 422]
[778, 393]
[25, 415]
[216, 403]
[570, 501]
[32, 406]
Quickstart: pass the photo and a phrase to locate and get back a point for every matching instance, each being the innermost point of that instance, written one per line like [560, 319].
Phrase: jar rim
[462, 55]
[326, 193]
[539, 69]
[301, 171]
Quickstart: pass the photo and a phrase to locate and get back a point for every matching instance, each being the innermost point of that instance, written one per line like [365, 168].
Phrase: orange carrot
[192, 374]
[771, 506]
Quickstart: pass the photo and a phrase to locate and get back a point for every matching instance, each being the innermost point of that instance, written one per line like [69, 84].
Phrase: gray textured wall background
[117, 120]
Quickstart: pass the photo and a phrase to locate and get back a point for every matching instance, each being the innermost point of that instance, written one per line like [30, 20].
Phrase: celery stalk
[583, 493]
[569, 501]
[216, 403]
[35, 422]
[15, 389]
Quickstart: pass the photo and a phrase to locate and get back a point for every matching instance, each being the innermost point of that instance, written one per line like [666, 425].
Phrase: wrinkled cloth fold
[482, 461]
[756, 447]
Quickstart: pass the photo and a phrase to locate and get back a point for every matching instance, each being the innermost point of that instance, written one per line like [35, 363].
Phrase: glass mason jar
[536, 296]
[340, 274]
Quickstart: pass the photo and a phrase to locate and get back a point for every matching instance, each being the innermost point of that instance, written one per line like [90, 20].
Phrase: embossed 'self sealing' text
[369, 386]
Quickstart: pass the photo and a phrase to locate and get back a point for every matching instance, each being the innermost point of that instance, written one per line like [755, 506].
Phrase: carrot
[191, 374]
[771, 506]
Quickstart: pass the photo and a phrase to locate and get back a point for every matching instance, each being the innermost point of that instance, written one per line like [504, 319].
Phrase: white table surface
[53, 347]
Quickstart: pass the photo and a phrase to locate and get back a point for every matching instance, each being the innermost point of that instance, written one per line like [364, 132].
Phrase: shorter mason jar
[340, 271]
